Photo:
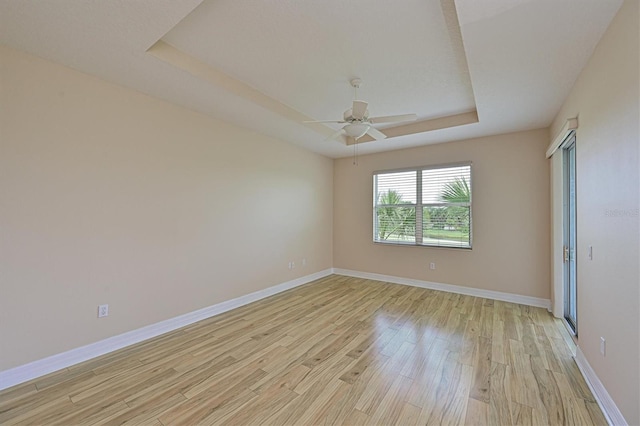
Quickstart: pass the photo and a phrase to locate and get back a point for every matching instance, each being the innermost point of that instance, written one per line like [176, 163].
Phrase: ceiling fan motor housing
[348, 116]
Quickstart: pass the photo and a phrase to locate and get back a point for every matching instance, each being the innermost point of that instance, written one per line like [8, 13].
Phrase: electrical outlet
[603, 346]
[103, 311]
[432, 266]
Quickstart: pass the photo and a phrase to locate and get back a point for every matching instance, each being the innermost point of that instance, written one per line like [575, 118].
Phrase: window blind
[428, 206]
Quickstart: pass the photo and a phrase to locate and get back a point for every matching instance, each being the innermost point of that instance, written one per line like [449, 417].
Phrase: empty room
[300, 212]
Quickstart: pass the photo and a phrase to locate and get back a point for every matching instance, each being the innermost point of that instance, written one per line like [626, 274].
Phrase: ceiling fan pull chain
[355, 153]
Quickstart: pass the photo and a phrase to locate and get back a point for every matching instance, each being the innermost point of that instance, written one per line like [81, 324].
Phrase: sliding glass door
[569, 226]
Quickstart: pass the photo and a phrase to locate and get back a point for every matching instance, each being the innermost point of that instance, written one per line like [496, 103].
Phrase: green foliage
[435, 217]
[456, 217]
[456, 192]
[397, 222]
[394, 220]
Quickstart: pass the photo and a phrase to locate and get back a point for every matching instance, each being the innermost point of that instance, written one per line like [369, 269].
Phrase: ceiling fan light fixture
[357, 130]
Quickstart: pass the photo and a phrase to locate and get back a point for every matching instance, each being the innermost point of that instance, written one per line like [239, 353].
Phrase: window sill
[394, 243]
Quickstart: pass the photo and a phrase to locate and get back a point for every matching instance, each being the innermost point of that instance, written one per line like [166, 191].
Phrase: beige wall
[606, 99]
[510, 216]
[110, 196]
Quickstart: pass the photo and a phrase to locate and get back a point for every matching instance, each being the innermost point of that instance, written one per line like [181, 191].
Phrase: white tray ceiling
[264, 64]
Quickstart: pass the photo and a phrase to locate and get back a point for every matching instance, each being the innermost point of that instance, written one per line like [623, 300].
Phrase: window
[428, 206]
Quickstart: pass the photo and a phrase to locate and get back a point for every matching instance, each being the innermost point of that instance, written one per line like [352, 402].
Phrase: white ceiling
[270, 64]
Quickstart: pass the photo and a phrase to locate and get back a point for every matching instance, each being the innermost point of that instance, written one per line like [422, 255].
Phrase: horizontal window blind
[428, 206]
[395, 209]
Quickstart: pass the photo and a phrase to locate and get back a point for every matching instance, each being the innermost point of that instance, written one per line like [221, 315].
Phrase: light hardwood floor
[337, 351]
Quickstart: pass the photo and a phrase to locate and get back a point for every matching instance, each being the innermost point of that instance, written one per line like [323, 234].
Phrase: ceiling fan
[357, 121]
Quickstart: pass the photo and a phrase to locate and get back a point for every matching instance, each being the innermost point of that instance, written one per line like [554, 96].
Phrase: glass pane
[396, 224]
[572, 234]
[396, 188]
[447, 226]
[448, 185]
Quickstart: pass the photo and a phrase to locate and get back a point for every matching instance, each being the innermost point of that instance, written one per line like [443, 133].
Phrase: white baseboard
[66, 359]
[469, 291]
[604, 400]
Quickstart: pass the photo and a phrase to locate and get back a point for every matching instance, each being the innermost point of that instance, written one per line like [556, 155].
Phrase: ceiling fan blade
[336, 135]
[376, 134]
[393, 118]
[359, 109]
[325, 121]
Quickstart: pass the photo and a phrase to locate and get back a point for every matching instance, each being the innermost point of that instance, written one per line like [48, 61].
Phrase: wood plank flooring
[337, 351]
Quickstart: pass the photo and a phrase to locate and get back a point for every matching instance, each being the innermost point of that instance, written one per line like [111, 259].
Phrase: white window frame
[419, 206]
